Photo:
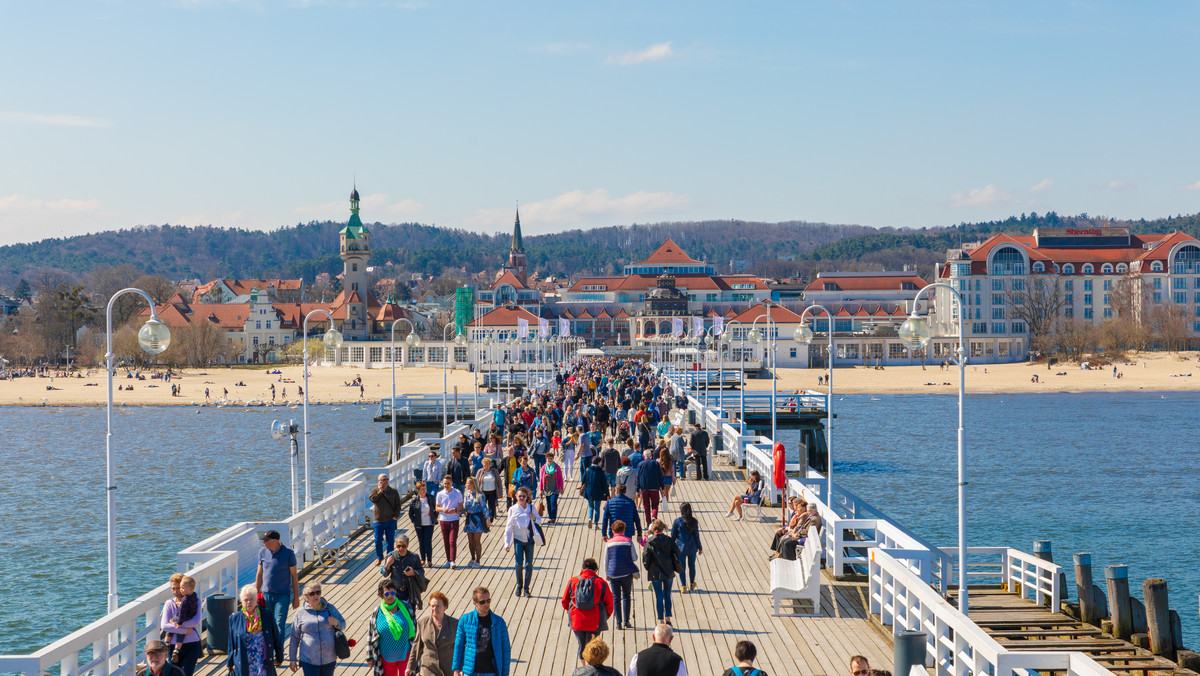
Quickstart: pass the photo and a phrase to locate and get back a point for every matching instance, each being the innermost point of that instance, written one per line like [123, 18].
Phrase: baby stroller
[623, 430]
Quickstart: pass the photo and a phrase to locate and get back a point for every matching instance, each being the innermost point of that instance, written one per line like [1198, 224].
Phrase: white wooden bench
[800, 579]
[332, 551]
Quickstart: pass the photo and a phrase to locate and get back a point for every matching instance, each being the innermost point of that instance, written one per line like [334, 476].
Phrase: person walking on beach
[313, 626]
[589, 602]
[658, 659]
[660, 558]
[277, 580]
[551, 481]
[522, 532]
[449, 506]
[686, 533]
[481, 643]
[433, 648]
[387, 507]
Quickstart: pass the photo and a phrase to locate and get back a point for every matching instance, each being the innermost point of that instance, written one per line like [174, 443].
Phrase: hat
[270, 535]
[155, 646]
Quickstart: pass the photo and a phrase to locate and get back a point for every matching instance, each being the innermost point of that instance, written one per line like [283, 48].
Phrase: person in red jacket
[589, 621]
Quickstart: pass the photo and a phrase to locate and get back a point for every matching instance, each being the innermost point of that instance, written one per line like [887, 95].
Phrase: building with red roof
[1083, 266]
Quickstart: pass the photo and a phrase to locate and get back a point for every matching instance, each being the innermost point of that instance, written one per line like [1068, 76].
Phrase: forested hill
[769, 249]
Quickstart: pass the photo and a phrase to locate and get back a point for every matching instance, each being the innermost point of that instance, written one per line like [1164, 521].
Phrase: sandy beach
[1150, 371]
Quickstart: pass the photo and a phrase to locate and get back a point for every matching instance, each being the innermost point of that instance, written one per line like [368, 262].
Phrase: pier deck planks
[732, 600]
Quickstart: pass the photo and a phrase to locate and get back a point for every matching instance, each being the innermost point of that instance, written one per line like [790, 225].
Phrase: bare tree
[1037, 300]
[1170, 326]
[1076, 337]
[1129, 297]
[160, 288]
[105, 280]
[200, 344]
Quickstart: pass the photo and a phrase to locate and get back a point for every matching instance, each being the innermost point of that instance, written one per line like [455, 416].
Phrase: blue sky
[260, 114]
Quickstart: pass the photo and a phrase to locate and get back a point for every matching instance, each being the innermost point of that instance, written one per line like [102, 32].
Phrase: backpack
[585, 593]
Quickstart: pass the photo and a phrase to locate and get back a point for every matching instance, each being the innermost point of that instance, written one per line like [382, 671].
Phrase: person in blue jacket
[481, 644]
[255, 645]
[595, 489]
[686, 533]
[621, 507]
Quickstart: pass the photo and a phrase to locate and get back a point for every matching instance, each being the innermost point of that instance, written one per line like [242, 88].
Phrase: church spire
[517, 244]
[354, 199]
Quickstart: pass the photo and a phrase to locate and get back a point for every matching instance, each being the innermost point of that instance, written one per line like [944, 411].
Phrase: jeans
[593, 510]
[431, 489]
[278, 605]
[523, 552]
[611, 477]
[622, 589]
[384, 530]
[425, 538]
[552, 505]
[318, 669]
[450, 539]
[689, 568]
[662, 597]
[680, 468]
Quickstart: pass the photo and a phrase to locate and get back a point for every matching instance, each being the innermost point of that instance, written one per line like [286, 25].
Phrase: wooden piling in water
[1158, 617]
[1117, 579]
[1083, 589]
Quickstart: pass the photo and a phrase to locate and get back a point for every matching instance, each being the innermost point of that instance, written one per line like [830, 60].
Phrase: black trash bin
[219, 608]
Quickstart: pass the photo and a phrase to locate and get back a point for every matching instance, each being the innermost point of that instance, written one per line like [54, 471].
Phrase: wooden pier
[732, 600]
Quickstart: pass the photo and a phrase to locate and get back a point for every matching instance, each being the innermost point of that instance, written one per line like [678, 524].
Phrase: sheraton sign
[1083, 232]
[1082, 236]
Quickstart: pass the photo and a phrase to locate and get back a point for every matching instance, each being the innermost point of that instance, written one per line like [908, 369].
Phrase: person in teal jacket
[481, 644]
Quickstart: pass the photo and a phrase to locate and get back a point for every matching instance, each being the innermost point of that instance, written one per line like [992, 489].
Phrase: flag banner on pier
[677, 326]
[719, 325]
[544, 327]
[698, 326]
[522, 328]
[564, 327]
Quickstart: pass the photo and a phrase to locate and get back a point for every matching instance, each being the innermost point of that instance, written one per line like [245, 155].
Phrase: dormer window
[1039, 267]
[830, 286]
[1107, 268]
[1156, 266]
[1088, 269]
[1068, 269]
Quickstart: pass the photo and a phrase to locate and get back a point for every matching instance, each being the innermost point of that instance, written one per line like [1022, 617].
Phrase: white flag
[677, 326]
[544, 327]
[522, 327]
[564, 327]
[698, 325]
[719, 325]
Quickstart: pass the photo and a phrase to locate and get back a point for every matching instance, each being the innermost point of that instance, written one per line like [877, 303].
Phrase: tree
[1169, 323]
[1076, 337]
[200, 343]
[160, 288]
[294, 352]
[105, 280]
[1037, 300]
[62, 312]
[23, 292]
[21, 341]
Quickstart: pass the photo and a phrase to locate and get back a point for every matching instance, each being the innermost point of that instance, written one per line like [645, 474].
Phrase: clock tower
[355, 251]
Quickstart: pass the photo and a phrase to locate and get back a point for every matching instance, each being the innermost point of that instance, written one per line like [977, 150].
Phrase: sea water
[1111, 474]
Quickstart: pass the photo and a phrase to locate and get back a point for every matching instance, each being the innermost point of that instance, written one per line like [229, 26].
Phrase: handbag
[341, 646]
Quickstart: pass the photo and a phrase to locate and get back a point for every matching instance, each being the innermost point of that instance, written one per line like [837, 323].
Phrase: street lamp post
[915, 333]
[332, 340]
[803, 334]
[513, 340]
[770, 342]
[413, 340]
[459, 340]
[154, 337]
[741, 368]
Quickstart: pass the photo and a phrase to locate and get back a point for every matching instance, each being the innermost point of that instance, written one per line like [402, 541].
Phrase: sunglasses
[315, 592]
[483, 602]
[862, 672]
[389, 593]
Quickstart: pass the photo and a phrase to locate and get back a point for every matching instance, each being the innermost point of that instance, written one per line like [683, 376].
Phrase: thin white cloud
[56, 120]
[1118, 184]
[1044, 184]
[373, 206]
[652, 53]
[581, 209]
[1192, 186]
[25, 219]
[988, 195]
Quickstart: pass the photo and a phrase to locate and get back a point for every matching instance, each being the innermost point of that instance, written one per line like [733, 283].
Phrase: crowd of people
[605, 431]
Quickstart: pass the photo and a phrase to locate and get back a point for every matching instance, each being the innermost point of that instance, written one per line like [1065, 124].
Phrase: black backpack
[585, 593]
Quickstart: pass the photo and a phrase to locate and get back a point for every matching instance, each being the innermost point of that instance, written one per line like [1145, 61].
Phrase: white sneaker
[452, 566]
[738, 519]
[729, 515]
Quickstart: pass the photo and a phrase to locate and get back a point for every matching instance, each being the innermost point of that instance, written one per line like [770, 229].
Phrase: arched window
[1122, 268]
[1056, 270]
[1088, 269]
[1107, 268]
[1039, 267]
[1068, 269]
[1007, 261]
[1187, 260]
[1156, 266]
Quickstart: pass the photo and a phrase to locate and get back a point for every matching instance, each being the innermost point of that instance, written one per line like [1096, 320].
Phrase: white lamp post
[513, 341]
[916, 333]
[741, 368]
[333, 341]
[803, 334]
[770, 344]
[154, 337]
[413, 340]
